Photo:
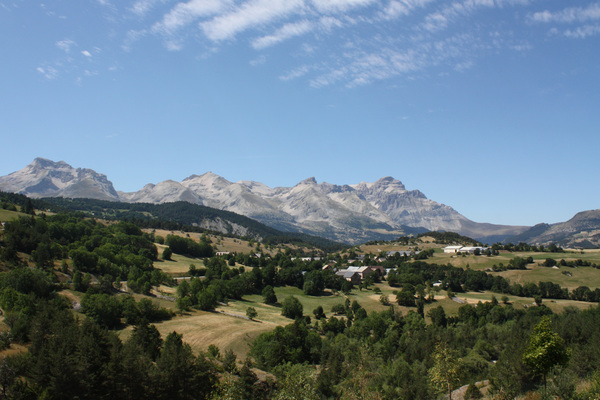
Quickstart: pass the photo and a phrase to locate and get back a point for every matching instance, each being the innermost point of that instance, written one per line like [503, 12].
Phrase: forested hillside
[190, 217]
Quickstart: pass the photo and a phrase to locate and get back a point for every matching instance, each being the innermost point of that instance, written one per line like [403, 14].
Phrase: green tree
[296, 382]
[473, 392]
[292, 308]
[438, 316]
[230, 361]
[319, 312]
[268, 294]
[444, 373]
[167, 253]
[545, 349]
[179, 374]
[251, 313]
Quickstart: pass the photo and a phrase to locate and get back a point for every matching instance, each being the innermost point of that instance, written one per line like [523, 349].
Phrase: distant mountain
[581, 231]
[349, 213]
[45, 178]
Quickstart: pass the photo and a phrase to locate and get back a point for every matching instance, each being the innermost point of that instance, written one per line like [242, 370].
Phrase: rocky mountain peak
[208, 179]
[40, 162]
[308, 181]
[46, 178]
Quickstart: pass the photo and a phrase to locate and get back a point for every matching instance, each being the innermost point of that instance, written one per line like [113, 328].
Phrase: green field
[582, 276]
[6, 215]
[178, 265]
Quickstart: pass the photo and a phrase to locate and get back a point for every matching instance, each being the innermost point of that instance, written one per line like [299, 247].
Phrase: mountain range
[384, 209]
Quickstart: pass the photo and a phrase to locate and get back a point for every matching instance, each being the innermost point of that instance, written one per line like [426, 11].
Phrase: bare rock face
[45, 178]
[349, 213]
[163, 192]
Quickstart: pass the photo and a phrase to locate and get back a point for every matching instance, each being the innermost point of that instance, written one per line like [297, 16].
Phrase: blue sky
[489, 106]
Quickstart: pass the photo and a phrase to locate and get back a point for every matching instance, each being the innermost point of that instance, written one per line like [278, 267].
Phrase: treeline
[449, 238]
[552, 248]
[17, 202]
[460, 280]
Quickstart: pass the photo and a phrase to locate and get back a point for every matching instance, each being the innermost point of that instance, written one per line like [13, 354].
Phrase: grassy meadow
[6, 215]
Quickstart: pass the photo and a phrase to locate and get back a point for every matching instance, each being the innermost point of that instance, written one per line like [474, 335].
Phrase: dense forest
[75, 351]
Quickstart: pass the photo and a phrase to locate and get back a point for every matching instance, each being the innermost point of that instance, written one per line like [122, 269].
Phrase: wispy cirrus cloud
[184, 14]
[358, 67]
[285, 32]
[587, 18]
[143, 7]
[569, 15]
[583, 31]
[349, 42]
[398, 8]
[249, 15]
[336, 6]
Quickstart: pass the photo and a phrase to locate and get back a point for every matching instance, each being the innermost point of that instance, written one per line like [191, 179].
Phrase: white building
[452, 249]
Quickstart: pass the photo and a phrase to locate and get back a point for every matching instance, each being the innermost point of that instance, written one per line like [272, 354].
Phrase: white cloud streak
[184, 14]
[248, 15]
[142, 7]
[285, 32]
[583, 32]
[569, 15]
[336, 6]
[572, 15]
[398, 8]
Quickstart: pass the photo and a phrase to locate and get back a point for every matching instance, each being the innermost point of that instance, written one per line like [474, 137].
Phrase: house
[351, 276]
[363, 272]
[452, 249]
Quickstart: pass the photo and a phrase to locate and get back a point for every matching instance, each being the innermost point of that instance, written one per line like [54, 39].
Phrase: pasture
[6, 215]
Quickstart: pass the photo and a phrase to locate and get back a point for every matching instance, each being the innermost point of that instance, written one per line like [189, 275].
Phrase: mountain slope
[583, 230]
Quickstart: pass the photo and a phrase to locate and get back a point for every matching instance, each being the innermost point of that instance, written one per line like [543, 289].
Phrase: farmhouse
[452, 249]
[351, 276]
[357, 274]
